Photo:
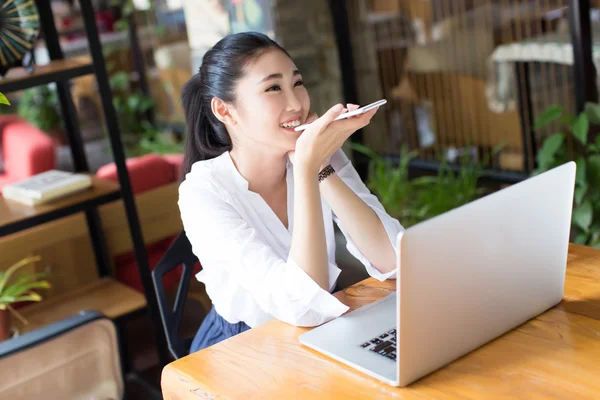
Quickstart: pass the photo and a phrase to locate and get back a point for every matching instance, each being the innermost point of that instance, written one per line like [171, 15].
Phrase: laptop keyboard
[384, 344]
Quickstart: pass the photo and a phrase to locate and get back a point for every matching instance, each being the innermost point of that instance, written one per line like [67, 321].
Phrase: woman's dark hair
[222, 66]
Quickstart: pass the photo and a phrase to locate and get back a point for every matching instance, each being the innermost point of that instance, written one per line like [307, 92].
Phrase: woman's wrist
[305, 170]
[308, 171]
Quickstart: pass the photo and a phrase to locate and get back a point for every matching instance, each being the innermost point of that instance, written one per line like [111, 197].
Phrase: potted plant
[415, 200]
[18, 290]
[573, 142]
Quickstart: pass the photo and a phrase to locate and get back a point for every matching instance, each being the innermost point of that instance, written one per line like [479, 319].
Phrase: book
[46, 186]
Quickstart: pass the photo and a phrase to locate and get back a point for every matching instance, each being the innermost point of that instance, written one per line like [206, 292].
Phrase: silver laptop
[464, 278]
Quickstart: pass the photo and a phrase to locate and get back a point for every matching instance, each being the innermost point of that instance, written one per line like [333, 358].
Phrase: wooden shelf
[19, 78]
[15, 216]
[106, 295]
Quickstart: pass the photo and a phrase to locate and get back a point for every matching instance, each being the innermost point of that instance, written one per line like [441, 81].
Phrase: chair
[76, 358]
[148, 173]
[179, 253]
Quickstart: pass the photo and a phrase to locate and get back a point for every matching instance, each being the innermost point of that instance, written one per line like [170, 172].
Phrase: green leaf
[582, 215]
[121, 25]
[568, 119]
[549, 149]
[128, 8]
[119, 81]
[592, 110]
[580, 128]
[593, 170]
[26, 278]
[30, 297]
[13, 268]
[145, 103]
[580, 175]
[581, 238]
[133, 102]
[364, 150]
[3, 99]
[594, 240]
[552, 113]
[580, 193]
[149, 128]
[18, 290]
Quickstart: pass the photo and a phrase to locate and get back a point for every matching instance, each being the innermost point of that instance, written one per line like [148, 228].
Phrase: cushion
[145, 172]
[176, 161]
[5, 119]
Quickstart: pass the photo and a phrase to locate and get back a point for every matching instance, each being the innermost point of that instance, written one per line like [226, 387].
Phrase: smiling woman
[258, 200]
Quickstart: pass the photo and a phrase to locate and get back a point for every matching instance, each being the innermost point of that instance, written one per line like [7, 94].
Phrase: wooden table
[556, 355]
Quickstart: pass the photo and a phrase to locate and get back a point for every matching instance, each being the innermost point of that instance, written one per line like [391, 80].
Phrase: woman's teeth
[291, 124]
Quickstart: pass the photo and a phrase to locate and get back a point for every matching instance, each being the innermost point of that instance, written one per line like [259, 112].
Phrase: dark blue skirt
[214, 329]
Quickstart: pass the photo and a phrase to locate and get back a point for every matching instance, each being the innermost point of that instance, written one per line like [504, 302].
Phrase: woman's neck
[264, 171]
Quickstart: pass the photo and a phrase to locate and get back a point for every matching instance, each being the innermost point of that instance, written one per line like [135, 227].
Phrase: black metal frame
[179, 253]
[526, 114]
[45, 78]
[69, 113]
[42, 218]
[495, 175]
[111, 119]
[581, 37]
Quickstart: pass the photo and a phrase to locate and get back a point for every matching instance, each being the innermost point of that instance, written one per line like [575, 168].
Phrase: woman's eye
[299, 83]
[272, 88]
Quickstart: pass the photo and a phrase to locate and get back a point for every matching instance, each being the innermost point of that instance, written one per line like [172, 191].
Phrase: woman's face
[270, 101]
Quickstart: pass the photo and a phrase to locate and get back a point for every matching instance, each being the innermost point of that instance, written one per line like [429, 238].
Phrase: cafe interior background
[481, 95]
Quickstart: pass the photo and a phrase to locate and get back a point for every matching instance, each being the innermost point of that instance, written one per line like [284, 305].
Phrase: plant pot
[5, 326]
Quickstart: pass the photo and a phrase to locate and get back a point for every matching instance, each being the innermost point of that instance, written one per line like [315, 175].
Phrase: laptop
[464, 278]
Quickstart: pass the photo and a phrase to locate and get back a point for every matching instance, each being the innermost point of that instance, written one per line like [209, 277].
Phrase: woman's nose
[293, 103]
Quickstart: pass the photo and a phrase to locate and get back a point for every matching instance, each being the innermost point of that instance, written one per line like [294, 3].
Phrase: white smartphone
[358, 111]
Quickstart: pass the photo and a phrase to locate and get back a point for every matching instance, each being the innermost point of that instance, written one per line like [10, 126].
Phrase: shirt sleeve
[222, 239]
[347, 173]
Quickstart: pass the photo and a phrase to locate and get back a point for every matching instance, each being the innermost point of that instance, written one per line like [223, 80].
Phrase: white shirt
[244, 247]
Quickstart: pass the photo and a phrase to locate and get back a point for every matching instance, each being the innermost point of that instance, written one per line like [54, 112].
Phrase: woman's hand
[325, 136]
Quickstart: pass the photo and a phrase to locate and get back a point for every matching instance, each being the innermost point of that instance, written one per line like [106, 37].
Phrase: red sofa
[146, 173]
[25, 150]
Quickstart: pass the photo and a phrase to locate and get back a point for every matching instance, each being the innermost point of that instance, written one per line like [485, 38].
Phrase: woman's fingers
[328, 117]
[312, 116]
[357, 121]
[350, 125]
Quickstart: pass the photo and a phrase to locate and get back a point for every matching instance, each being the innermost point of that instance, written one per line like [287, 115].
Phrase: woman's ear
[221, 110]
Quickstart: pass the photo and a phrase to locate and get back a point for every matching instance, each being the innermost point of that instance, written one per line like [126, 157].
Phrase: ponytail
[207, 137]
[222, 66]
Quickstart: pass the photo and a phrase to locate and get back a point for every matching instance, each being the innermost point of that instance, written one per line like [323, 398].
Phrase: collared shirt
[244, 247]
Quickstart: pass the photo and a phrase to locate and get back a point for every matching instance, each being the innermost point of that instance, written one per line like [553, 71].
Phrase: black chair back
[179, 253]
